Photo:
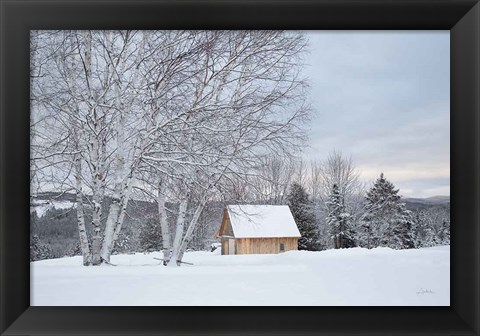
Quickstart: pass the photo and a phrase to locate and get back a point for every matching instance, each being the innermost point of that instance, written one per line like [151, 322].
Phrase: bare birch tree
[247, 101]
[197, 107]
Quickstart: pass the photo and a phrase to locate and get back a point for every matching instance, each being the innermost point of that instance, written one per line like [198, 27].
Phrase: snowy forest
[140, 138]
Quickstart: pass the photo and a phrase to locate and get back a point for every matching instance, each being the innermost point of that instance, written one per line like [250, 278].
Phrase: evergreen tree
[424, 231]
[74, 250]
[403, 237]
[387, 222]
[301, 208]
[39, 250]
[365, 237]
[122, 244]
[419, 231]
[338, 220]
[445, 233]
[380, 208]
[150, 237]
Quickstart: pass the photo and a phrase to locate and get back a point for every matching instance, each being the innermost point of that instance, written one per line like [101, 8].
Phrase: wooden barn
[258, 229]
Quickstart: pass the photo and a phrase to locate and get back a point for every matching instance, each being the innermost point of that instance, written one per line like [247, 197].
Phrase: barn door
[231, 246]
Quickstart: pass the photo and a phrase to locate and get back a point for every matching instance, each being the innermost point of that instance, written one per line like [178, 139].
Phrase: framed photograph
[240, 167]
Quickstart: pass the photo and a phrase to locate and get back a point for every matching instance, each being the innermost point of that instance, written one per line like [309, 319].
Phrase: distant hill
[441, 199]
[429, 200]
[421, 203]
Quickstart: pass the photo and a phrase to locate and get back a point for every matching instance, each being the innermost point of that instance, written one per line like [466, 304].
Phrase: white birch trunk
[125, 199]
[97, 205]
[179, 232]
[122, 187]
[112, 218]
[191, 227]
[162, 216]
[121, 210]
[118, 193]
[95, 149]
[116, 216]
[96, 220]
[77, 161]
[98, 193]
[82, 232]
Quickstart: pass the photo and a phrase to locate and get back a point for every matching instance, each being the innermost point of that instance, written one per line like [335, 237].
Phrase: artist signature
[425, 291]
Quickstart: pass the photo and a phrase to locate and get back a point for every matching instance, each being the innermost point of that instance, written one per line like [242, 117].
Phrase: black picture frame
[461, 17]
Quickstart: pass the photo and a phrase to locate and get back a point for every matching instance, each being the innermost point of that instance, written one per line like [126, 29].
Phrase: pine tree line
[383, 221]
[38, 249]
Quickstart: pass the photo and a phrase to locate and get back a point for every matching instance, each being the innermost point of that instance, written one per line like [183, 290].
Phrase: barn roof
[262, 221]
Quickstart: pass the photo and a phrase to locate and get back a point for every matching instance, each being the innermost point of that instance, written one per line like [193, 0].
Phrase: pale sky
[383, 98]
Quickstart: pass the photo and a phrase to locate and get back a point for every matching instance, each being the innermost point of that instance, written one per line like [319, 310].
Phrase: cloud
[384, 98]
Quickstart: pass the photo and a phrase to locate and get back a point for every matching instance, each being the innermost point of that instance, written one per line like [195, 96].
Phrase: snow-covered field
[380, 276]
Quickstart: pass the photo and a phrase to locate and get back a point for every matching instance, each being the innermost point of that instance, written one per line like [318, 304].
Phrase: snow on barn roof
[262, 221]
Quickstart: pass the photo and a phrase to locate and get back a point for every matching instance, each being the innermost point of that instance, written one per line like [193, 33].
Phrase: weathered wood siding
[224, 246]
[253, 245]
[226, 228]
[265, 245]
